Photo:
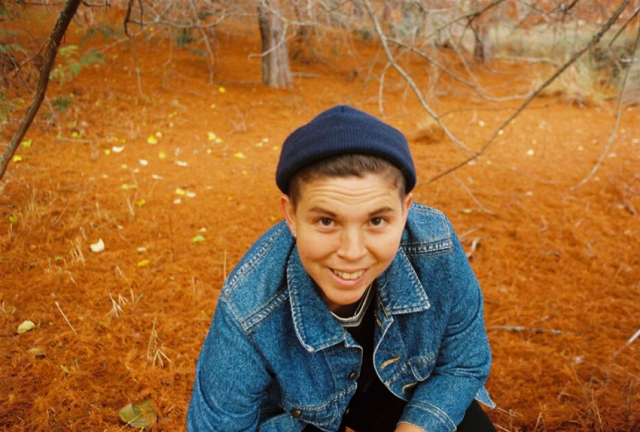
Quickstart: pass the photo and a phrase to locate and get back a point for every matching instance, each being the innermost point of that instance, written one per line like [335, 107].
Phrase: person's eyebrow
[322, 211]
[381, 211]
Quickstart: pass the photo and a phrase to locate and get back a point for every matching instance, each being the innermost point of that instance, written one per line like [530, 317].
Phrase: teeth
[349, 276]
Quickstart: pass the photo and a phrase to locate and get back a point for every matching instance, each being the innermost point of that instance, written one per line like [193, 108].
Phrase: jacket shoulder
[427, 230]
[259, 278]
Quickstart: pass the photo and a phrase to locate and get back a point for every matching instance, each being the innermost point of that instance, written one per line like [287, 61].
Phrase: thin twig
[612, 135]
[522, 329]
[407, 77]
[65, 317]
[596, 38]
[55, 39]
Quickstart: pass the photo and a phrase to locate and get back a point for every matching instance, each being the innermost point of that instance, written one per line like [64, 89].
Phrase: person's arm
[230, 379]
[462, 364]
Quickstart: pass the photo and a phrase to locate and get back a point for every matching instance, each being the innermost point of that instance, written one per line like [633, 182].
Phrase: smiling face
[348, 231]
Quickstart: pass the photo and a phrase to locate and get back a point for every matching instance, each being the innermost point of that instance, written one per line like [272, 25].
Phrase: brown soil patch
[560, 269]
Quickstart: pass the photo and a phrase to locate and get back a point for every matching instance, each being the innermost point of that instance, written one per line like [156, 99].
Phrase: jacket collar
[399, 291]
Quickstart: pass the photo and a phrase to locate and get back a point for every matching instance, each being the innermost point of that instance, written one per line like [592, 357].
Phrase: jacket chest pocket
[414, 372]
[421, 367]
[327, 415]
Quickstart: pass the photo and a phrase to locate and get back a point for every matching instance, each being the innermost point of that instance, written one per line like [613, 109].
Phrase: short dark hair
[346, 166]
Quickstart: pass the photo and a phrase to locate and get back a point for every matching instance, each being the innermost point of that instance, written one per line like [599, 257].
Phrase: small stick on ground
[522, 329]
[65, 317]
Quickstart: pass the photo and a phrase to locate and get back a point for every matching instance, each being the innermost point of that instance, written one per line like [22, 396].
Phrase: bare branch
[594, 40]
[612, 135]
[67, 13]
[407, 77]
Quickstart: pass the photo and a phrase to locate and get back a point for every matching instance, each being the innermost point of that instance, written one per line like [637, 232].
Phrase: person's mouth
[347, 275]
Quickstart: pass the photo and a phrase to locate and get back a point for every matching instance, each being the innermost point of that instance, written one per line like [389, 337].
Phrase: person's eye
[377, 221]
[325, 222]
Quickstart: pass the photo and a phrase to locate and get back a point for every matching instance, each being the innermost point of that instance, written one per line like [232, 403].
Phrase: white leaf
[98, 246]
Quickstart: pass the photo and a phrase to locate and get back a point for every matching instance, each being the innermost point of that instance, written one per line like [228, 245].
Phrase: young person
[359, 310]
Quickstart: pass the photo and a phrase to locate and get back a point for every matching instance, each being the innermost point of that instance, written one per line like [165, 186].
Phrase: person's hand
[408, 427]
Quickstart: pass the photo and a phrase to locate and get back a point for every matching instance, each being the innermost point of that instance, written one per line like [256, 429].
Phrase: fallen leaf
[156, 177]
[191, 194]
[239, 155]
[141, 416]
[197, 239]
[159, 134]
[218, 140]
[75, 135]
[141, 202]
[17, 158]
[162, 155]
[27, 143]
[97, 246]
[181, 163]
[37, 352]
[65, 369]
[152, 140]
[221, 89]
[211, 136]
[26, 326]
[144, 162]
[141, 249]
[180, 191]
[144, 262]
[117, 149]
[13, 219]
[107, 151]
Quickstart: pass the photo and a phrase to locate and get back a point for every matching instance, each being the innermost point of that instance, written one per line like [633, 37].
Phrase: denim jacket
[276, 360]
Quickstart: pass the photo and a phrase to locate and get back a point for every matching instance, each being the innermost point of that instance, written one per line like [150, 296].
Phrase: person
[359, 310]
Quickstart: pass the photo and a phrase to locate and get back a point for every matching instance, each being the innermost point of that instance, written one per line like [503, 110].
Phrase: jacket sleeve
[231, 378]
[463, 360]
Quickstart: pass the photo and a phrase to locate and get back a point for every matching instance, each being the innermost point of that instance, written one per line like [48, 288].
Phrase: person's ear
[289, 213]
[406, 205]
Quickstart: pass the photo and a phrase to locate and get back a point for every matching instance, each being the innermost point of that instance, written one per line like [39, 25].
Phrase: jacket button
[352, 376]
[296, 413]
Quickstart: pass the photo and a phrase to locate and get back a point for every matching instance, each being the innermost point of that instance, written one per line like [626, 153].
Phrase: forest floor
[176, 177]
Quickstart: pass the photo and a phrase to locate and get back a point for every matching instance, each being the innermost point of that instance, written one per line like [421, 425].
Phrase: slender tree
[69, 10]
[275, 55]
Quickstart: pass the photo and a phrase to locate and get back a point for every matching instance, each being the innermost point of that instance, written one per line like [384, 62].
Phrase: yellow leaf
[181, 191]
[211, 136]
[17, 158]
[162, 155]
[26, 326]
[75, 135]
[239, 155]
[221, 89]
[27, 143]
[107, 151]
[218, 140]
[143, 263]
[152, 140]
[141, 202]
[159, 134]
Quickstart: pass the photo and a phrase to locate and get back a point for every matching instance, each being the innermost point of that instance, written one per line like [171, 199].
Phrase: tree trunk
[275, 55]
[55, 38]
[482, 48]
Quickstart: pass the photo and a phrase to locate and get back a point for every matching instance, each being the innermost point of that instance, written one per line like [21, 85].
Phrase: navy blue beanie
[339, 131]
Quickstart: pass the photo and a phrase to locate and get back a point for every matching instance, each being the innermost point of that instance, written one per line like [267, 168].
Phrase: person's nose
[352, 245]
